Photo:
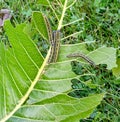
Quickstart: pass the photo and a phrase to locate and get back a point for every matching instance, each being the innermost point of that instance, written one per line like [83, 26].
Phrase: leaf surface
[19, 66]
[25, 98]
[102, 55]
[40, 24]
[61, 108]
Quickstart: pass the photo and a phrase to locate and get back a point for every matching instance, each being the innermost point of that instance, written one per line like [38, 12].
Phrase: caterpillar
[56, 46]
[82, 56]
[54, 39]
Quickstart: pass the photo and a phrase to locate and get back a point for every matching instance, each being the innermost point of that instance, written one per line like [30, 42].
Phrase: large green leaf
[19, 66]
[27, 96]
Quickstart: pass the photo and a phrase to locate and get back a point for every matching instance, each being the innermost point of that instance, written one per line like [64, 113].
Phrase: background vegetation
[99, 21]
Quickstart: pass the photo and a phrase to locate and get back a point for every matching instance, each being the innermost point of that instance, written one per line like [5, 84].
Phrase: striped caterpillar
[54, 39]
[82, 56]
[56, 45]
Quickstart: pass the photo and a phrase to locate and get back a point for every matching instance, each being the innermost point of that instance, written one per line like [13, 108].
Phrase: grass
[101, 24]
[101, 80]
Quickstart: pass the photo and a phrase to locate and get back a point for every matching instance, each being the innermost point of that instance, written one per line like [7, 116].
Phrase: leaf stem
[72, 35]
[73, 22]
[72, 4]
[63, 14]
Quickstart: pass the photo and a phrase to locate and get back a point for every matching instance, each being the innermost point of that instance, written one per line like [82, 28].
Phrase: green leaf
[30, 89]
[25, 48]
[27, 93]
[104, 55]
[40, 24]
[60, 108]
[116, 70]
[19, 66]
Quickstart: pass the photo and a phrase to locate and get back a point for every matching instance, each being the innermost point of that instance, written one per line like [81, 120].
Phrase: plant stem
[63, 14]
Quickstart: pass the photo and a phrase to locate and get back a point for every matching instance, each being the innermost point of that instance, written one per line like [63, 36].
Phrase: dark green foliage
[103, 80]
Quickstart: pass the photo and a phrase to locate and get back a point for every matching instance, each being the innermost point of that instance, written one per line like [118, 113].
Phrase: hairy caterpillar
[56, 45]
[82, 56]
[54, 39]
